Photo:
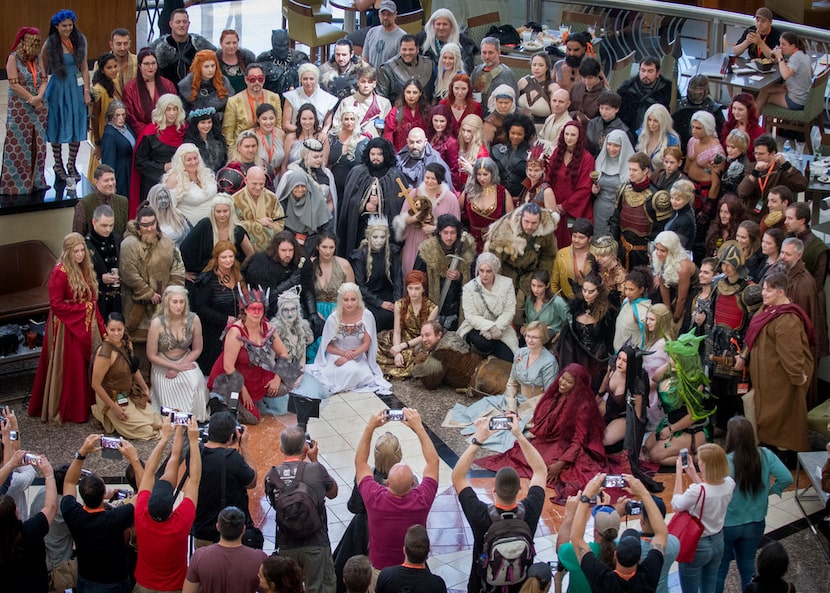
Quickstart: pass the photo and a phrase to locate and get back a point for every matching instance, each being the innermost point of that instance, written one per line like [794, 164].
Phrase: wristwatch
[476, 442]
[585, 499]
[79, 456]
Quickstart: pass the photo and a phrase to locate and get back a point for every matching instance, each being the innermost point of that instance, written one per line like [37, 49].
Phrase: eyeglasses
[149, 64]
[259, 78]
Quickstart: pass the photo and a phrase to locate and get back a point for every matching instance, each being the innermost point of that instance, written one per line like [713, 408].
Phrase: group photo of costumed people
[568, 280]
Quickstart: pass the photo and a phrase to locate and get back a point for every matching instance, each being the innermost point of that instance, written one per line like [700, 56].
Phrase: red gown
[567, 428]
[62, 392]
[255, 378]
[575, 201]
[479, 222]
[396, 131]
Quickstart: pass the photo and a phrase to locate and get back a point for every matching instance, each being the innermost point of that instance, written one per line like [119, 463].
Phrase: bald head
[400, 480]
[255, 181]
[416, 142]
[560, 100]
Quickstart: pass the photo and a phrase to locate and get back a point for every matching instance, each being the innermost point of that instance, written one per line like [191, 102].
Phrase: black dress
[377, 287]
[213, 303]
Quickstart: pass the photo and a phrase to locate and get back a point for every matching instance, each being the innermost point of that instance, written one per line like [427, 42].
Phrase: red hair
[196, 68]
[462, 78]
[557, 160]
[747, 101]
[416, 277]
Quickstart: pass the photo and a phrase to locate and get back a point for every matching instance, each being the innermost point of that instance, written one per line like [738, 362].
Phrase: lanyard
[68, 45]
[33, 69]
[253, 103]
[762, 182]
[269, 146]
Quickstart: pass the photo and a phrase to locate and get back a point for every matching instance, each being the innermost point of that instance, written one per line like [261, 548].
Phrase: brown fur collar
[506, 238]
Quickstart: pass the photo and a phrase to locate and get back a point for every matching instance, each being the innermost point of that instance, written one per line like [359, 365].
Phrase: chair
[411, 22]
[321, 13]
[477, 26]
[621, 72]
[801, 121]
[303, 29]
[581, 21]
[519, 65]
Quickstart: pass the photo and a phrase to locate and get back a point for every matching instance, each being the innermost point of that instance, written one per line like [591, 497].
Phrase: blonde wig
[82, 279]
[164, 102]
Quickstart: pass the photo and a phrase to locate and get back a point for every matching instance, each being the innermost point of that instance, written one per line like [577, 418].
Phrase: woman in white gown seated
[174, 343]
[347, 358]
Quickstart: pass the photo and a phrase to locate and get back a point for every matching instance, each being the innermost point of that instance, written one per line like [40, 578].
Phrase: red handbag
[688, 528]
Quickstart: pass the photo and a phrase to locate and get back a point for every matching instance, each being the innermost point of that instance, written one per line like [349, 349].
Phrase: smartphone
[109, 447]
[233, 405]
[613, 482]
[394, 415]
[500, 423]
[13, 435]
[31, 459]
[684, 458]
[634, 507]
[181, 418]
[554, 566]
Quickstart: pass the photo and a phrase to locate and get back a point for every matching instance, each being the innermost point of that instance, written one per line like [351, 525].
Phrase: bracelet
[52, 477]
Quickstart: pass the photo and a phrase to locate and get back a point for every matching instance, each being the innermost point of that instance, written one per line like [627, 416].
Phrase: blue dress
[67, 119]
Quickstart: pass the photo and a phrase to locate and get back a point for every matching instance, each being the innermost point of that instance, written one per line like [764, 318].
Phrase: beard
[150, 239]
[573, 61]
[377, 170]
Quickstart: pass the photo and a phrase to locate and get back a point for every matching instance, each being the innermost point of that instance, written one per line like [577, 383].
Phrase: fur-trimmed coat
[434, 262]
[145, 270]
[451, 362]
[485, 308]
[523, 254]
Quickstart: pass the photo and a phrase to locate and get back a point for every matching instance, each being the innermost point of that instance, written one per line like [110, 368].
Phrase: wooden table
[349, 14]
[807, 464]
[754, 82]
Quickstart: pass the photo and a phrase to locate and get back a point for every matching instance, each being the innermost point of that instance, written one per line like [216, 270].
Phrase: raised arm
[191, 487]
[462, 466]
[361, 456]
[413, 420]
[149, 477]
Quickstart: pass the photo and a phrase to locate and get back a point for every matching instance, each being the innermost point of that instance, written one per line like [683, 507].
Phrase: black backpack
[507, 551]
[298, 514]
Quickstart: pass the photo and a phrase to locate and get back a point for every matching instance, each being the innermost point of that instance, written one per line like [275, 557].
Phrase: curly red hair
[466, 80]
[752, 116]
[196, 68]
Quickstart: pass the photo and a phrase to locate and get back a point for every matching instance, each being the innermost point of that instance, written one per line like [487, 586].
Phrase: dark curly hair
[736, 214]
[518, 120]
[557, 161]
[282, 574]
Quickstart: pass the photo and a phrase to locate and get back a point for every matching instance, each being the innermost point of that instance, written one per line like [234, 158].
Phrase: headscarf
[615, 166]
[499, 91]
[307, 213]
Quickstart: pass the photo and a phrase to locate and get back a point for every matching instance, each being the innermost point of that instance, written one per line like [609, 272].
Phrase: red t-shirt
[162, 547]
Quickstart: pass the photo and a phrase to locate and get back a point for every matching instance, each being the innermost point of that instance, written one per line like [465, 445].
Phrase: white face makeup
[377, 240]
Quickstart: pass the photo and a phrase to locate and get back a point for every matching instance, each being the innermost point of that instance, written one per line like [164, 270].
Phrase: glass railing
[688, 33]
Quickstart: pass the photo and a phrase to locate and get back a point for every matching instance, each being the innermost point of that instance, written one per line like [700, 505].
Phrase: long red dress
[397, 131]
[478, 222]
[575, 201]
[255, 377]
[62, 392]
[567, 428]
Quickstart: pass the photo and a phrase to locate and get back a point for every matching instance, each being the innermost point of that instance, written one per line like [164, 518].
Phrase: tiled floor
[338, 431]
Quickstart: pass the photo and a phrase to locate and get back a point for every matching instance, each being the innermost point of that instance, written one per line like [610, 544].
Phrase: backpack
[507, 551]
[298, 514]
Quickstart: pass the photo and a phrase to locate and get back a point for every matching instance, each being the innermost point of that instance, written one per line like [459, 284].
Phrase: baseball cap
[541, 571]
[629, 548]
[388, 5]
[764, 13]
[605, 518]
[160, 505]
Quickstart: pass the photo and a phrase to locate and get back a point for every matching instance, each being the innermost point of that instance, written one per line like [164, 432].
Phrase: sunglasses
[259, 78]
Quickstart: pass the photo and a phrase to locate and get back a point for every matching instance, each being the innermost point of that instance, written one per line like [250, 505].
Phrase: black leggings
[487, 347]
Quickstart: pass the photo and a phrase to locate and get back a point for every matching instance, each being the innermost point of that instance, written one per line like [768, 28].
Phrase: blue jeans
[701, 574]
[85, 586]
[740, 542]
